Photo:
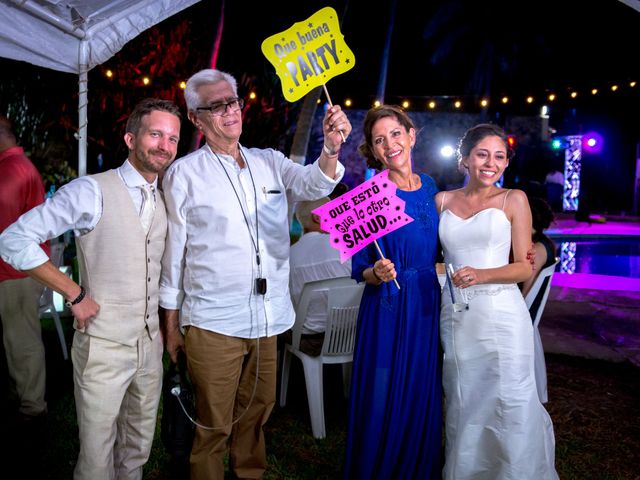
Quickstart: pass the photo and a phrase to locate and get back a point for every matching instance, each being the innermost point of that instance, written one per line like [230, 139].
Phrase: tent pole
[82, 107]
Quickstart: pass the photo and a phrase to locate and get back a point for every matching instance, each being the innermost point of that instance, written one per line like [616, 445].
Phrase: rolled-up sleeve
[308, 182]
[20, 252]
[77, 206]
[171, 286]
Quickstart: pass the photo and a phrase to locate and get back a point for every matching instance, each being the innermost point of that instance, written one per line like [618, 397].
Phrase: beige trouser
[117, 391]
[22, 336]
[223, 372]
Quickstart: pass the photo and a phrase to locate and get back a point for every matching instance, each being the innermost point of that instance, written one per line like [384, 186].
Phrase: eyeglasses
[220, 108]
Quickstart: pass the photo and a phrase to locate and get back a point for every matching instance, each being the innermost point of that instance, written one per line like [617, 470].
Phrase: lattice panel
[568, 257]
[572, 164]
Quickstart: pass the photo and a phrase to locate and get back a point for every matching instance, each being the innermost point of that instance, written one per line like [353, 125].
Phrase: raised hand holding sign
[309, 54]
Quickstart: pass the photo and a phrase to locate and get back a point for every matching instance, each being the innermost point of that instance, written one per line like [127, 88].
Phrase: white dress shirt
[210, 262]
[76, 206]
[312, 259]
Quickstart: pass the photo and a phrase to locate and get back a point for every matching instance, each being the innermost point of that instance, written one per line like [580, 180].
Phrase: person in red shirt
[21, 189]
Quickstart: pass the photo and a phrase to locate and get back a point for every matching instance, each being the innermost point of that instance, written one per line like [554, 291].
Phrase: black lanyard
[255, 242]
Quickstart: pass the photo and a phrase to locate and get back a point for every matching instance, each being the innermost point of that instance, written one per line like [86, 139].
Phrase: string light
[183, 85]
[472, 102]
[108, 73]
[347, 102]
[252, 95]
[146, 81]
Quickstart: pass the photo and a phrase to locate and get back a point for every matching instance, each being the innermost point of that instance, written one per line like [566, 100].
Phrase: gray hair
[304, 209]
[207, 76]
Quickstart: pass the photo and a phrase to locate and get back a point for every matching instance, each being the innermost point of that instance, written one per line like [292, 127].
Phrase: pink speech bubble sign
[362, 215]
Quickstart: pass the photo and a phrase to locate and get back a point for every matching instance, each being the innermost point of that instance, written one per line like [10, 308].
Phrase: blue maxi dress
[395, 407]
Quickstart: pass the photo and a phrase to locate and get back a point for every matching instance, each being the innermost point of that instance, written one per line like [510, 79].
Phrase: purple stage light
[592, 142]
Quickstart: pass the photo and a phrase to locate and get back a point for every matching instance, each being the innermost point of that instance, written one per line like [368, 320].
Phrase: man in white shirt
[554, 176]
[120, 224]
[312, 258]
[226, 269]
[554, 189]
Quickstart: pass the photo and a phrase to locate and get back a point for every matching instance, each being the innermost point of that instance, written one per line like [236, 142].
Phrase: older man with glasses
[226, 269]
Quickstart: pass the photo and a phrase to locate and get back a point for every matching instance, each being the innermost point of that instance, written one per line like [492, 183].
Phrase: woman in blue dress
[395, 406]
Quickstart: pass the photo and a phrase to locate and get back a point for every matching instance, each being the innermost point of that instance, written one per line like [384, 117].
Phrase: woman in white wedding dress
[496, 427]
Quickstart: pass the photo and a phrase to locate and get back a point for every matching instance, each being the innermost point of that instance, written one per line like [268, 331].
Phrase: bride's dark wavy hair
[373, 115]
[474, 135]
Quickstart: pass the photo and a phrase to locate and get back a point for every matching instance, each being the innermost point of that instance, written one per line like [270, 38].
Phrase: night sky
[440, 49]
[453, 47]
[447, 49]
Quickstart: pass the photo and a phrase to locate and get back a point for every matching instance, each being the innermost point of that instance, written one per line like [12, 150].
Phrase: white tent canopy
[75, 36]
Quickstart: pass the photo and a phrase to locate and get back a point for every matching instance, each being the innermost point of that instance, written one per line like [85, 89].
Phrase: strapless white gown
[496, 427]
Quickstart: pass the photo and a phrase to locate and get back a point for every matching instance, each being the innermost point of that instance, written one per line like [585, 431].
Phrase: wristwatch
[78, 299]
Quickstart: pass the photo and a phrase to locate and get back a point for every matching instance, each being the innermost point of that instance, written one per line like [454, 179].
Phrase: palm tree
[382, 81]
[215, 50]
[303, 131]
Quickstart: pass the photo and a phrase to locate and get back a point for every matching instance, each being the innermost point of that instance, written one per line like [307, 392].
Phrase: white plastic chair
[46, 299]
[541, 286]
[344, 296]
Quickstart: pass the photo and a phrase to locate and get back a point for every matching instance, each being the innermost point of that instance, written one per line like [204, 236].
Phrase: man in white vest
[120, 225]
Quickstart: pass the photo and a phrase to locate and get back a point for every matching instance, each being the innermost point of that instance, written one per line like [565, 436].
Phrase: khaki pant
[22, 336]
[117, 391]
[223, 372]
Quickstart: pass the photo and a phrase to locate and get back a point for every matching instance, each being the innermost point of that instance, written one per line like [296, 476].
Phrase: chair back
[46, 299]
[540, 290]
[342, 319]
[343, 302]
[537, 298]
[47, 305]
[57, 250]
[305, 297]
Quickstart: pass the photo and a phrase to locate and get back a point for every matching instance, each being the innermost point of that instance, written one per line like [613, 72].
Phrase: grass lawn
[595, 407]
